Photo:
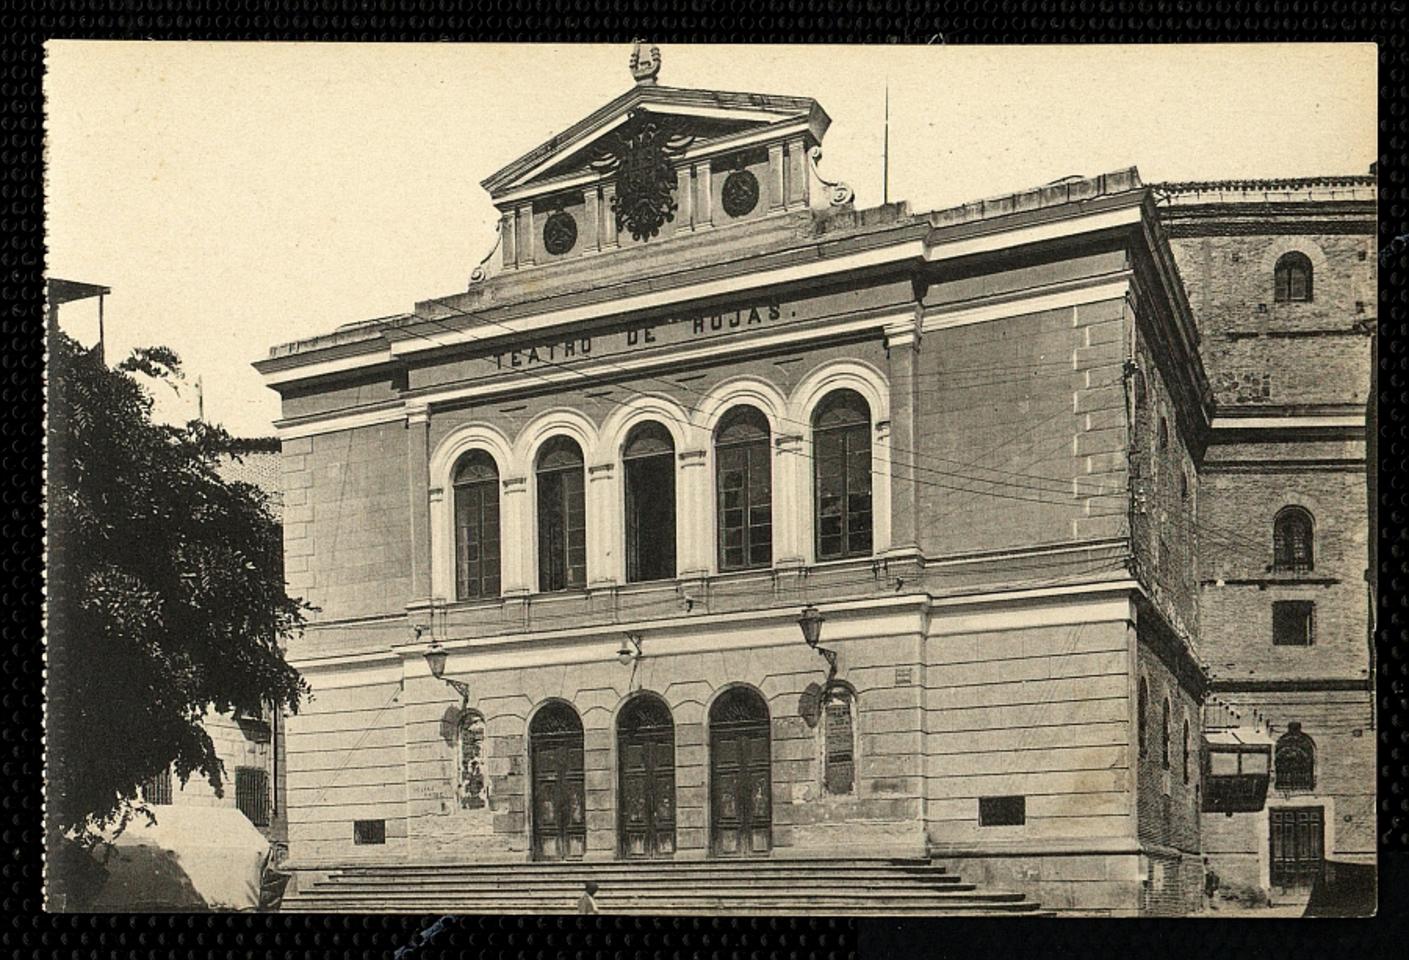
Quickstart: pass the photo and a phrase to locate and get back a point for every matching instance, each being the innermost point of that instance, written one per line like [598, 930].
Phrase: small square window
[1002, 811]
[368, 831]
[1293, 623]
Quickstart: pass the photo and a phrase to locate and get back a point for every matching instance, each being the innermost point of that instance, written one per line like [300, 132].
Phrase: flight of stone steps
[852, 887]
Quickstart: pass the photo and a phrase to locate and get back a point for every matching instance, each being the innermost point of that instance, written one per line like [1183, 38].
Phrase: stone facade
[1038, 415]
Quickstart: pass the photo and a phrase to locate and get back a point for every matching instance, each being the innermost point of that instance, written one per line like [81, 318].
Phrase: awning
[1236, 736]
[192, 858]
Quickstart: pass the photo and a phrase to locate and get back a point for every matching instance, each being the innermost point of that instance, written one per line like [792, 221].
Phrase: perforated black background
[26, 931]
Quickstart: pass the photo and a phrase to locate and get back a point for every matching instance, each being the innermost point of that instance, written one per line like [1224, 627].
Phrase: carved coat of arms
[641, 156]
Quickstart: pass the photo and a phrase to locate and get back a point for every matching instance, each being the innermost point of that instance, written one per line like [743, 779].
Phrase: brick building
[703, 416]
[251, 748]
[1281, 278]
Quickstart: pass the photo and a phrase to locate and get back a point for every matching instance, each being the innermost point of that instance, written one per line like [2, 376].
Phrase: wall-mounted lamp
[630, 649]
[810, 622]
[436, 657]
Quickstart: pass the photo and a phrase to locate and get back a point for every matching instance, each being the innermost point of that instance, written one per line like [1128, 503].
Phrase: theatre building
[719, 520]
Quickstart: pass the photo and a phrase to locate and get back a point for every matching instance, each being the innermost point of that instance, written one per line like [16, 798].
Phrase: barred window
[562, 516]
[252, 794]
[1295, 759]
[472, 783]
[841, 441]
[744, 490]
[839, 742]
[157, 790]
[476, 487]
[1292, 278]
[1293, 623]
[1292, 534]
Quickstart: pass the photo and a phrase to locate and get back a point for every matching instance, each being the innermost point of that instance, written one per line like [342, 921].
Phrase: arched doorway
[645, 751]
[740, 775]
[559, 800]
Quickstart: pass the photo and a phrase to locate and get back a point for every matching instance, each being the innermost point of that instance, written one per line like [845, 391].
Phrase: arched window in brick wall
[1292, 278]
[562, 516]
[1292, 540]
[476, 486]
[1186, 750]
[1164, 735]
[1295, 759]
[1140, 720]
[841, 441]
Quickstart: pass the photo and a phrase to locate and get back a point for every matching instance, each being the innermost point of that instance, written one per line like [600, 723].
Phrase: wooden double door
[559, 798]
[740, 775]
[1297, 845]
[646, 780]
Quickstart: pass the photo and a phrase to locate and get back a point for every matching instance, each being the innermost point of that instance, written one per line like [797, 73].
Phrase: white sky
[235, 196]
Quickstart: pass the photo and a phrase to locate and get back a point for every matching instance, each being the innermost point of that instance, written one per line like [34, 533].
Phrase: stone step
[635, 866]
[617, 879]
[727, 908]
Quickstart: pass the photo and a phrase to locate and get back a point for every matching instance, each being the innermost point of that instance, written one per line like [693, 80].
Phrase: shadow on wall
[1343, 890]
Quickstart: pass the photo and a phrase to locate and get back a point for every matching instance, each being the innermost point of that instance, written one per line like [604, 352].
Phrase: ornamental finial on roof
[645, 62]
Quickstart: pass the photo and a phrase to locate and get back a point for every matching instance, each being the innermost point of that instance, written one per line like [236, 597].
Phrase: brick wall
[1259, 351]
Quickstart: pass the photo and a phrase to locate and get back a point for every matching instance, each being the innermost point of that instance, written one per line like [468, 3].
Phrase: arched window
[476, 483]
[1140, 719]
[1164, 736]
[744, 490]
[1292, 540]
[1186, 750]
[562, 516]
[1163, 433]
[648, 462]
[1295, 759]
[472, 785]
[838, 741]
[1292, 278]
[841, 454]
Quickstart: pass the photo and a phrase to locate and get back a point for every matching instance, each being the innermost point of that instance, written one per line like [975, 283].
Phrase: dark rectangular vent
[1002, 811]
[368, 831]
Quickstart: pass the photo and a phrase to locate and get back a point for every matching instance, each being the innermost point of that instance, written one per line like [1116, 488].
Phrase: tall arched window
[1164, 735]
[743, 480]
[1292, 540]
[648, 462]
[1186, 750]
[838, 741]
[472, 785]
[1292, 278]
[1295, 759]
[1141, 722]
[841, 452]
[562, 516]
[476, 483]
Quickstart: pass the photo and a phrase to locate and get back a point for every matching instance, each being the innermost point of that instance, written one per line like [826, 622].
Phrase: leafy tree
[165, 591]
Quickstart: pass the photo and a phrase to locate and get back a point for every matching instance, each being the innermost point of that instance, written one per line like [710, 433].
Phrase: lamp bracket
[462, 688]
[831, 657]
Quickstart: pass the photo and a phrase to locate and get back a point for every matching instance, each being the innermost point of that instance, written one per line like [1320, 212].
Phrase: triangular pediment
[703, 121]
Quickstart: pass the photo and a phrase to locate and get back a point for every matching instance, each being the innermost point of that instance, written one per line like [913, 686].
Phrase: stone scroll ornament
[641, 155]
[841, 193]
